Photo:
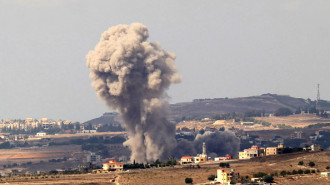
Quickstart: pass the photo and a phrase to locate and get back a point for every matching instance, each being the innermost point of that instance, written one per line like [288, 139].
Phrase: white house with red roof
[113, 166]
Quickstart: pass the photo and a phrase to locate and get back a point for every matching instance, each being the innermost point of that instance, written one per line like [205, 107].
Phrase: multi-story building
[271, 151]
[254, 151]
[93, 158]
[227, 177]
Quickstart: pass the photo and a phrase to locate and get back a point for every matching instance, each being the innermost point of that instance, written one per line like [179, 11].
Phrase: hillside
[267, 103]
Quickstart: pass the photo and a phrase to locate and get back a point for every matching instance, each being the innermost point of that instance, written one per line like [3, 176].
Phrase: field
[176, 175]
[35, 154]
[299, 121]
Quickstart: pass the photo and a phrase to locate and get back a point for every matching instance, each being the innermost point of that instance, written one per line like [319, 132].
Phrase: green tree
[188, 180]
[300, 171]
[211, 178]
[283, 173]
[259, 174]
[311, 164]
[301, 163]
[268, 178]
[307, 171]
[283, 112]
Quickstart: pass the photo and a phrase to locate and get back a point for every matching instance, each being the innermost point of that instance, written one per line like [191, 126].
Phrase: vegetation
[284, 126]
[283, 112]
[211, 178]
[318, 125]
[301, 163]
[224, 165]
[283, 173]
[268, 178]
[311, 164]
[188, 180]
[259, 174]
[307, 171]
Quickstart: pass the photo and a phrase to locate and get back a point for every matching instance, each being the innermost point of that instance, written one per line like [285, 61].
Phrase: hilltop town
[96, 147]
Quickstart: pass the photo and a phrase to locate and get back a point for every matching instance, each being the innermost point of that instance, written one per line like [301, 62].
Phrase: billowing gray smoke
[217, 144]
[131, 74]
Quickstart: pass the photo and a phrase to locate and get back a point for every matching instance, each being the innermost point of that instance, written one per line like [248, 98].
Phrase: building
[88, 131]
[93, 158]
[113, 166]
[41, 134]
[316, 148]
[254, 151]
[227, 177]
[325, 174]
[201, 158]
[227, 157]
[271, 151]
[187, 160]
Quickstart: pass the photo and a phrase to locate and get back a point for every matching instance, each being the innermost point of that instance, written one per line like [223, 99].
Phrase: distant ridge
[265, 102]
[207, 107]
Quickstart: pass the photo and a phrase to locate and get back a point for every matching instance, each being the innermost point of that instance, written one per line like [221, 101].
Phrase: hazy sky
[223, 48]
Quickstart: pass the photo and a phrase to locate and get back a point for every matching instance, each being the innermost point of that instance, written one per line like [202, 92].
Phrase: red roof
[112, 163]
[186, 157]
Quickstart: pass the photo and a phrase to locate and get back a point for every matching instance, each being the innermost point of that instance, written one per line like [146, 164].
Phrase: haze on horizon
[223, 49]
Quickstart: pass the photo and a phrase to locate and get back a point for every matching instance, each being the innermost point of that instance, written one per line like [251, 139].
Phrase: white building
[41, 134]
[325, 174]
[113, 166]
[316, 148]
[187, 160]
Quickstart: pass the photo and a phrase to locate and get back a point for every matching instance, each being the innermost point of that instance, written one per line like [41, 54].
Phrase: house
[316, 148]
[271, 151]
[325, 174]
[113, 166]
[227, 157]
[254, 151]
[88, 131]
[41, 134]
[227, 177]
[187, 160]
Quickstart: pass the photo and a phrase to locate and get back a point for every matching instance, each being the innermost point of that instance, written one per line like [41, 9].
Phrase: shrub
[188, 180]
[300, 171]
[327, 168]
[283, 112]
[294, 172]
[301, 163]
[211, 178]
[307, 172]
[268, 178]
[283, 173]
[223, 165]
[259, 174]
[311, 164]
[313, 171]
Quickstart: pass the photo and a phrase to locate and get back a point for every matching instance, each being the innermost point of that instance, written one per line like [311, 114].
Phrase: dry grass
[177, 175]
[298, 120]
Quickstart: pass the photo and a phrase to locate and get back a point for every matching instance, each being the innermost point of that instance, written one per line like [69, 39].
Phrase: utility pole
[318, 98]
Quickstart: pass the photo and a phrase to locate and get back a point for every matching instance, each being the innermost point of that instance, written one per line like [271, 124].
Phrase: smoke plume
[217, 144]
[131, 74]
